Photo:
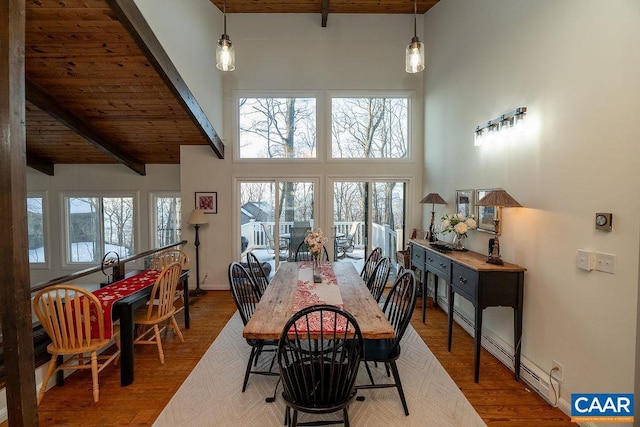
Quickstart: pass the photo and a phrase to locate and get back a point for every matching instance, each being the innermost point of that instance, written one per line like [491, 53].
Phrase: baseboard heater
[530, 374]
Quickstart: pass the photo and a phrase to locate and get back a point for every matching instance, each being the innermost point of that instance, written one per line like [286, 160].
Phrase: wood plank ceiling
[100, 89]
[96, 95]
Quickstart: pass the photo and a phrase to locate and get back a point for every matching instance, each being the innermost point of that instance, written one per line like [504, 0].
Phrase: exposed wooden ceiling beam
[325, 12]
[36, 95]
[132, 19]
[40, 164]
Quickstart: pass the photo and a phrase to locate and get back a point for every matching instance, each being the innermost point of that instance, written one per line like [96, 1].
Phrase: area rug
[212, 394]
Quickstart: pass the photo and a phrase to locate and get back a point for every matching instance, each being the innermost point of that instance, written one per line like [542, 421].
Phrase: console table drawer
[438, 265]
[417, 256]
[465, 281]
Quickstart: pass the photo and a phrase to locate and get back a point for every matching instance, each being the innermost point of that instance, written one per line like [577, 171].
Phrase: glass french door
[368, 214]
[274, 217]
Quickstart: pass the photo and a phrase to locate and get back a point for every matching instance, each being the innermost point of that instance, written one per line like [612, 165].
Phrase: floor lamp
[197, 219]
[434, 199]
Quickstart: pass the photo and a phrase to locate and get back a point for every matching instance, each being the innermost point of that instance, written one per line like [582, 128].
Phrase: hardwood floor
[498, 398]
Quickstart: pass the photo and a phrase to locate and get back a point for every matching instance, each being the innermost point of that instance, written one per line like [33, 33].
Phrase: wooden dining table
[276, 305]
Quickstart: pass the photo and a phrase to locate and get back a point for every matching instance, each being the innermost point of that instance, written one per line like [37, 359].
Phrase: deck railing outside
[383, 235]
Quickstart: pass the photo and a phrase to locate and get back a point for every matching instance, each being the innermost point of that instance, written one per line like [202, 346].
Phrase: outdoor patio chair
[346, 244]
[283, 246]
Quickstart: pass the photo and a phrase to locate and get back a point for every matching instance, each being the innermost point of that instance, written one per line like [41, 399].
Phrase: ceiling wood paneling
[315, 6]
[93, 71]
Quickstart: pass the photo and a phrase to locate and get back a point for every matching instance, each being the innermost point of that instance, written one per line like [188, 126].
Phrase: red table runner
[309, 293]
[116, 291]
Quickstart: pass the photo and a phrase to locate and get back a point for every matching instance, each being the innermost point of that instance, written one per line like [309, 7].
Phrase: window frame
[320, 125]
[153, 228]
[409, 95]
[64, 218]
[44, 195]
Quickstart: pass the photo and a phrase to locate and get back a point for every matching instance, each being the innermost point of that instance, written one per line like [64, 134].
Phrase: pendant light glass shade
[414, 56]
[225, 56]
[414, 61]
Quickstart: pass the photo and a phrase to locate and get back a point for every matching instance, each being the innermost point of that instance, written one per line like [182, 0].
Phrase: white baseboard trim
[531, 374]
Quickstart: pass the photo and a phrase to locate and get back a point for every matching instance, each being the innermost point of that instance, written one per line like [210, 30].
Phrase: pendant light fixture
[414, 60]
[225, 57]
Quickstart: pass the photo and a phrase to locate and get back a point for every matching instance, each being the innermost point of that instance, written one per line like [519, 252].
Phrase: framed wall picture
[208, 202]
[485, 214]
[464, 202]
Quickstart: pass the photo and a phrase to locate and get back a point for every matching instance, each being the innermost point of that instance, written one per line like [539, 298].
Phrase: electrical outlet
[557, 371]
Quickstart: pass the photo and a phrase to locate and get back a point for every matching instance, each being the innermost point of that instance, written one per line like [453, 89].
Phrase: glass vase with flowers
[315, 241]
[458, 224]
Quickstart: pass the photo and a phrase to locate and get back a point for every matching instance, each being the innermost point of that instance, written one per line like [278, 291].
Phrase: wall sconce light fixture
[505, 121]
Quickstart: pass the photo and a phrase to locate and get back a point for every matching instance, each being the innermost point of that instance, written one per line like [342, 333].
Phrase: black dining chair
[398, 309]
[370, 263]
[379, 277]
[303, 254]
[319, 352]
[257, 273]
[246, 297]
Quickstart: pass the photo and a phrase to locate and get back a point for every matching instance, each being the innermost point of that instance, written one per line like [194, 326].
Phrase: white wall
[189, 31]
[99, 178]
[576, 66]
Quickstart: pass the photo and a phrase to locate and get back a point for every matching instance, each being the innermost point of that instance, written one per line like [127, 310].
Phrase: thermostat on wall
[603, 221]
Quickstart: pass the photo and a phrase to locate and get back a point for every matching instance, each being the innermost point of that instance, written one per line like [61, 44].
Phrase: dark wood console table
[484, 285]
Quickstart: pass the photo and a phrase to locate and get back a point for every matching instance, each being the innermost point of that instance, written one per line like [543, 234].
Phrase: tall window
[370, 128]
[277, 128]
[97, 225]
[166, 221]
[36, 229]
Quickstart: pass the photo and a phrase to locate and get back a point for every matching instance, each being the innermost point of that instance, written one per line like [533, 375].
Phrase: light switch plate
[605, 262]
[585, 260]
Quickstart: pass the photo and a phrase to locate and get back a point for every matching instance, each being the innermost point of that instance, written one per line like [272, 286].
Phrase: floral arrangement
[458, 223]
[315, 240]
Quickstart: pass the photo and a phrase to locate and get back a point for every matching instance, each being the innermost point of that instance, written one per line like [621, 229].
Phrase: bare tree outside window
[98, 225]
[277, 128]
[167, 220]
[366, 128]
[35, 226]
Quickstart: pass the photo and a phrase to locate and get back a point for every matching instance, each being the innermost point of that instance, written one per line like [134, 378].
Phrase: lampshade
[433, 198]
[197, 217]
[498, 197]
[225, 56]
[414, 55]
